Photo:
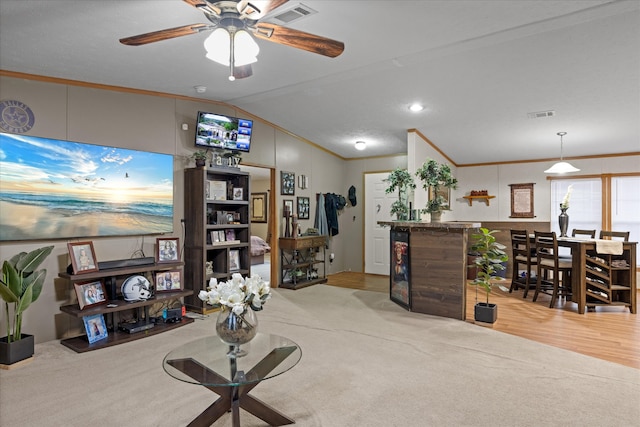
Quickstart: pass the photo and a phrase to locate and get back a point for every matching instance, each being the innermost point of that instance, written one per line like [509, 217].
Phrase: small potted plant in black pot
[490, 260]
[20, 286]
[200, 157]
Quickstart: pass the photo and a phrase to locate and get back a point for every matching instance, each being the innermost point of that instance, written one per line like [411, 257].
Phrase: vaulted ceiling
[479, 67]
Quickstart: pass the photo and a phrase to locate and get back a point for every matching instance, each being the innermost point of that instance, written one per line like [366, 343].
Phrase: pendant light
[561, 166]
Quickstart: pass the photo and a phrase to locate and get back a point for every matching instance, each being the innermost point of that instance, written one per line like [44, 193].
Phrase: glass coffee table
[205, 362]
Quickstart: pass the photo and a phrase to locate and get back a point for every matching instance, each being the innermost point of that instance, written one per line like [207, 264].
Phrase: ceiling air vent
[541, 114]
[293, 14]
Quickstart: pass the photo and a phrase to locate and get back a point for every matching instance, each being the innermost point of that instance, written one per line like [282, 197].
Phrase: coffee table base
[232, 398]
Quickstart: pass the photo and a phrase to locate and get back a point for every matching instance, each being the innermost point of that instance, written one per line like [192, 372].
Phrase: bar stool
[522, 255]
[554, 272]
[587, 233]
[610, 235]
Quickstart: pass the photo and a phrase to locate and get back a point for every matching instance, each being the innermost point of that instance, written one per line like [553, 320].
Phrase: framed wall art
[287, 206]
[443, 192]
[83, 257]
[522, 200]
[287, 183]
[90, 293]
[167, 249]
[303, 207]
[400, 291]
[258, 207]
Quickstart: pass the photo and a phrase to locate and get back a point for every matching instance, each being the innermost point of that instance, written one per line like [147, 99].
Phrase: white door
[376, 238]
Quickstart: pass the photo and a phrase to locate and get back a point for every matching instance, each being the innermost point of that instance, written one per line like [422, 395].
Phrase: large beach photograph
[53, 189]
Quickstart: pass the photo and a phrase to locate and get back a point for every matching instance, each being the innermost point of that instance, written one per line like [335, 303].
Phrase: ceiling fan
[234, 21]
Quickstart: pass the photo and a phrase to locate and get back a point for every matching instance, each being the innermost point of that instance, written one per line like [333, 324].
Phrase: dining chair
[522, 255]
[553, 271]
[588, 233]
[611, 235]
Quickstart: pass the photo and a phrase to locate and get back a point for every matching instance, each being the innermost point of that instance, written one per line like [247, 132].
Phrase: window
[585, 203]
[625, 205]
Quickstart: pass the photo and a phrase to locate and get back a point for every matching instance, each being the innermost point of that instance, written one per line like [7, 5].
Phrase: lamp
[231, 47]
[361, 145]
[561, 166]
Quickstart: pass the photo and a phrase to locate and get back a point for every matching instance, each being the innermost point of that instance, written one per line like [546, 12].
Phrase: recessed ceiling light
[361, 145]
[416, 108]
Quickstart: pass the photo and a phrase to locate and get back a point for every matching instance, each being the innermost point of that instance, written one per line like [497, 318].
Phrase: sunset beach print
[52, 189]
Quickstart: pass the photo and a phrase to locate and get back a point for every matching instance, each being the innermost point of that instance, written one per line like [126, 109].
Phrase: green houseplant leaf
[21, 285]
[490, 259]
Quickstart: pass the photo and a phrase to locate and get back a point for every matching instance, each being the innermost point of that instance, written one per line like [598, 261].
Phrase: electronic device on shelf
[132, 328]
[224, 132]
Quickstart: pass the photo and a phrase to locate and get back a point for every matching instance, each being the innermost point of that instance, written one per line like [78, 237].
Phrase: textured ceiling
[478, 66]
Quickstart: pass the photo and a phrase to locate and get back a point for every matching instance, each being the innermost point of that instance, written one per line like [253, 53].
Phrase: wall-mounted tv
[52, 189]
[224, 132]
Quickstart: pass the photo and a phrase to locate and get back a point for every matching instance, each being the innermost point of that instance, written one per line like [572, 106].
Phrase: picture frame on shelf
[215, 237]
[168, 281]
[287, 183]
[90, 293]
[303, 207]
[234, 260]
[522, 200]
[258, 207]
[217, 190]
[237, 193]
[230, 235]
[95, 327]
[83, 257]
[167, 249]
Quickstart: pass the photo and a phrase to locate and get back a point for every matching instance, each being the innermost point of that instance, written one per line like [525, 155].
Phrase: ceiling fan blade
[242, 71]
[169, 33]
[298, 39]
[204, 6]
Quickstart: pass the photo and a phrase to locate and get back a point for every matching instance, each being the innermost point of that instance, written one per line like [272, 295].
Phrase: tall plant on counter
[400, 180]
[434, 177]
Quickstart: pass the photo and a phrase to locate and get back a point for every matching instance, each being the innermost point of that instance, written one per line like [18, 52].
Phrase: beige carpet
[365, 362]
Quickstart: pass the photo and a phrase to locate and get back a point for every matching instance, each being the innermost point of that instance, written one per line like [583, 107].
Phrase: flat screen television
[53, 189]
[224, 132]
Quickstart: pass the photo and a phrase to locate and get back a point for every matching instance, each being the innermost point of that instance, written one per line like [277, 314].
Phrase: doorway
[377, 208]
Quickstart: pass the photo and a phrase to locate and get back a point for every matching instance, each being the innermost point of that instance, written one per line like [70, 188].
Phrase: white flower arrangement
[238, 294]
[565, 200]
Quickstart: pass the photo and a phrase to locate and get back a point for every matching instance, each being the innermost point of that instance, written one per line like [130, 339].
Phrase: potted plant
[402, 181]
[490, 259]
[20, 286]
[435, 177]
[200, 157]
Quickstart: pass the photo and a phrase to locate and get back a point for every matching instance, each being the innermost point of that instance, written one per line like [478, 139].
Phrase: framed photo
[234, 260]
[167, 281]
[522, 200]
[217, 190]
[445, 193]
[258, 207]
[237, 193]
[287, 183]
[167, 249]
[95, 327]
[83, 257]
[303, 207]
[400, 291]
[90, 293]
[230, 235]
[287, 205]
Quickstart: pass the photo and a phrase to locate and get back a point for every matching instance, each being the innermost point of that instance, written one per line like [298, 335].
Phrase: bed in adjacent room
[258, 249]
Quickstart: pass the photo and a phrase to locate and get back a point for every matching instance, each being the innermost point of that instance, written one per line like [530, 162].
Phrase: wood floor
[611, 334]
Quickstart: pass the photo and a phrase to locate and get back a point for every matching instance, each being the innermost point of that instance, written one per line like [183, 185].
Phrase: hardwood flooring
[611, 334]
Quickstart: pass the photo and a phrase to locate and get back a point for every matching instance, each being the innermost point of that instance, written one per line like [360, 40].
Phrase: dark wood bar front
[437, 265]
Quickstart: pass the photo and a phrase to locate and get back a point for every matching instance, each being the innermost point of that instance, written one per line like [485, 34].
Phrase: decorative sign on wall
[16, 116]
[522, 200]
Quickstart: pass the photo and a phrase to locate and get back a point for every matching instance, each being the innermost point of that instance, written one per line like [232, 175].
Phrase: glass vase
[563, 222]
[236, 329]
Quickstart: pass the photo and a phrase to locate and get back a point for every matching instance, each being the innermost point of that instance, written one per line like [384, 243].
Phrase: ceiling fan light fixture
[561, 166]
[416, 108]
[246, 49]
[218, 46]
[360, 145]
